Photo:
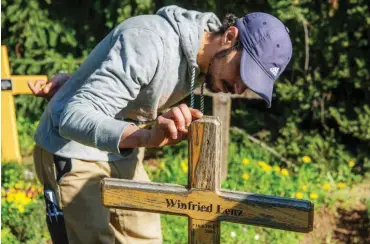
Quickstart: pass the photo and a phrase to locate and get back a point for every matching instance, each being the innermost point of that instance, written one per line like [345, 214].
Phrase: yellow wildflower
[341, 185]
[277, 169]
[161, 165]
[313, 196]
[351, 163]
[304, 188]
[246, 161]
[261, 163]
[267, 168]
[299, 195]
[285, 172]
[3, 192]
[264, 166]
[245, 176]
[306, 159]
[21, 209]
[10, 196]
[184, 166]
[18, 198]
[326, 186]
[22, 198]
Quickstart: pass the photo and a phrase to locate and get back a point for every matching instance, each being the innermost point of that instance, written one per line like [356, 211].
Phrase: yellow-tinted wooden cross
[203, 201]
[11, 85]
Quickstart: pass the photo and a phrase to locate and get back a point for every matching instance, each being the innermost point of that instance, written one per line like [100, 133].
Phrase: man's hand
[47, 89]
[171, 127]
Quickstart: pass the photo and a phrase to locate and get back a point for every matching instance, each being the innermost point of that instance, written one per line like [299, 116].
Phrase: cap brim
[255, 78]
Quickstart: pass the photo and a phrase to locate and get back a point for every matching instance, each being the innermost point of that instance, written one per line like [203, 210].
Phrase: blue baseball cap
[267, 50]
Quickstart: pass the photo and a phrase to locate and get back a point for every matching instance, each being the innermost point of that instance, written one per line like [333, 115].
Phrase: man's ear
[230, 36]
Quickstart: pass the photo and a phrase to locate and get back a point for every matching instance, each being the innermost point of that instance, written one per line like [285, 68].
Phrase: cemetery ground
[341, 196]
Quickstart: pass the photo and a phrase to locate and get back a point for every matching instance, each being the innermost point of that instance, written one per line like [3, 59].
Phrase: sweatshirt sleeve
[89, 116]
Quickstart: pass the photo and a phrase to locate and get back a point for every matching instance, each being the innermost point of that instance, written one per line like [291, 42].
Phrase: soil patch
[352, 226]
[347, 222]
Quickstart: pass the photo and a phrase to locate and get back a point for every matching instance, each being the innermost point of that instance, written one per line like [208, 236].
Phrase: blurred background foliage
[321, 102]
[319, 118]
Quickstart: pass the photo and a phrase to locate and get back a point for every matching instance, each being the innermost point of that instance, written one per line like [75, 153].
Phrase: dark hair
[228, 21]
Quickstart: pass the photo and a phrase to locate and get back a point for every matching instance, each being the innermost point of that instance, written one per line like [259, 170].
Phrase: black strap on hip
[54, 213]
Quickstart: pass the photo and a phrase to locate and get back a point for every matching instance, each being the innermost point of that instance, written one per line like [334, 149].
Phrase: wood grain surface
[205, 154]
[221, 205]
[202, 200]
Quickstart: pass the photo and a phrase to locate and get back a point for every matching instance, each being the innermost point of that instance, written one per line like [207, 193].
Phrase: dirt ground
[346, 222]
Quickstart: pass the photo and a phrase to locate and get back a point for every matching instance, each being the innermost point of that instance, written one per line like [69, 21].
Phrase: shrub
[22, 206]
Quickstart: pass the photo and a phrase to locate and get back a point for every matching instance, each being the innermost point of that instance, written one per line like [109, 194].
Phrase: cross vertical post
[204, 173]
[11, 85]
[9, 137]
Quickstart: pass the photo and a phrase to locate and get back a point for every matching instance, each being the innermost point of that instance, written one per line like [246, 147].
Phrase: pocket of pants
[62, 167]
[126, 167]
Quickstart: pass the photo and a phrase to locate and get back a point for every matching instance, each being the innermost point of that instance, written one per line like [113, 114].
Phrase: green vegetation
[251, 169]
[320, 106]
[319, 120]
[22, 205]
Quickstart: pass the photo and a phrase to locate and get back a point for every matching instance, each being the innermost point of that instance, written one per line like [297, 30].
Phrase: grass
[251, 169]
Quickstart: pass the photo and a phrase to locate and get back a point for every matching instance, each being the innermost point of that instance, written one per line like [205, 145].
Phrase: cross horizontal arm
[269, 211]
[20, 83]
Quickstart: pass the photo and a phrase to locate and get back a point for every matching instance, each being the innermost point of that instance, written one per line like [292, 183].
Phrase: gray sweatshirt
[141, 68]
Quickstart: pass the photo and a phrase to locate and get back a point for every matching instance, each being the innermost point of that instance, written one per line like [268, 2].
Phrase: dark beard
[209, 79]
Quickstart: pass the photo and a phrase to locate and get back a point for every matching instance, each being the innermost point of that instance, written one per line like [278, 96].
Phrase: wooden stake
[222, 110]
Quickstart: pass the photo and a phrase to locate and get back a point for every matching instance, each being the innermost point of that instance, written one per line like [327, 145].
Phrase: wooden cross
[203, 200]
[11, 85]
[221, 107]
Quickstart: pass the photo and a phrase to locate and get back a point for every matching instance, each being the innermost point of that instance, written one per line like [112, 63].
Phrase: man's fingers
[187, 114]
[36, 88]
[175, 120]
[30, 85]
[39, 84]
[196, 113]
[48, 87]
[178, 116]
[168, 125]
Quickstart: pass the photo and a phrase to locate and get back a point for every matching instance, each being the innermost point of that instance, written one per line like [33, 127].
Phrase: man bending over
[142, 67]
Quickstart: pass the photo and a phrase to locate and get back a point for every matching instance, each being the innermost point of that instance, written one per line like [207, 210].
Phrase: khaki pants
[78, 194]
